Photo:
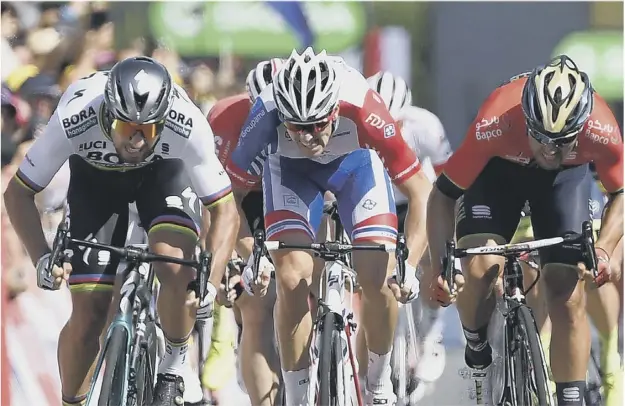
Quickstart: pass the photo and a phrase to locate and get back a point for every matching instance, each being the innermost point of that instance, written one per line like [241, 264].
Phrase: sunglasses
[149, 131]
[311, 128]
[559, 142]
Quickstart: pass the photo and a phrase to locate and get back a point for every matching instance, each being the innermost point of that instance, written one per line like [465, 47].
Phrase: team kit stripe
[26, 182]
[215, 197]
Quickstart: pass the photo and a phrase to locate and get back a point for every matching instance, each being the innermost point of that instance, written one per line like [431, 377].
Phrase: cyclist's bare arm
[221, 237]
[440, 225]
[39, 166]
[24, 215]
[245, 240]
[611, 224]
[417, 189]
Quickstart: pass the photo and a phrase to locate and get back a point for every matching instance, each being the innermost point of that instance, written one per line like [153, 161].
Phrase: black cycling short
[558, 201]
[98, 210]
[401, 210]
[252, 205]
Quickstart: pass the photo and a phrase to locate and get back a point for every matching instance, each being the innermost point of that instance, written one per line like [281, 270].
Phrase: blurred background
[451, 54]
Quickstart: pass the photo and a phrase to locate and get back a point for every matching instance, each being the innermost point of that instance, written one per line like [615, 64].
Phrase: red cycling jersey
[499, 130]
[226, 118]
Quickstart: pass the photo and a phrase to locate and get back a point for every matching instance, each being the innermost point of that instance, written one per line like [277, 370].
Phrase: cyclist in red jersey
[538, 132]
[259, 363]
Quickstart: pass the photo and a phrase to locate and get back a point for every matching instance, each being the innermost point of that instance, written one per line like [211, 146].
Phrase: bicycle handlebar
[329, 250]
[585, 240]
[130, 254]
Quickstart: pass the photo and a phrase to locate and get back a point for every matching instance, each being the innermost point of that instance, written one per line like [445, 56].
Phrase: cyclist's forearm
[245, 240]
[440, 224]
[221, 238]
[611, 224]
[25, 218]
[244, 246]
[415, 222]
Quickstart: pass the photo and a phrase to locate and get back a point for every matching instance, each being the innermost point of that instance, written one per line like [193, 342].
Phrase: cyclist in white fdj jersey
[314, 130]
[424, 133]
[129, 134]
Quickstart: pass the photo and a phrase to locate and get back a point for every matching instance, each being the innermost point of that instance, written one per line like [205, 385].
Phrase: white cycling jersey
[425, 135]
[76, 128]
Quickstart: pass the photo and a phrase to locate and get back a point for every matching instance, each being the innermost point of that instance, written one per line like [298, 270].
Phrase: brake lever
[401, 254]
[203, 271]
[257, 251]
[448, 264]
[59, 246]
[588, 248]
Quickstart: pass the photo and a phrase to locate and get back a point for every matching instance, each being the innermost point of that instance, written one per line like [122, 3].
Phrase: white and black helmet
[306, 89]
[139, 90]
[261, 76]
[394, 91]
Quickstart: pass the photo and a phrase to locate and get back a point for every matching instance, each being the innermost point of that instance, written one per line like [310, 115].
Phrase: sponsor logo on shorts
[179, 123]
[291, 201]
[369, 204]
[480, 211]
[79, 123]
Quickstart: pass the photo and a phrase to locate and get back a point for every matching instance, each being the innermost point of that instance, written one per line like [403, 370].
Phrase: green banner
[600, 55]
[252, 29]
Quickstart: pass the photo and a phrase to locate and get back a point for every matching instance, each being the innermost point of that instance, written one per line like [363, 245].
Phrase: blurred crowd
[48, 45]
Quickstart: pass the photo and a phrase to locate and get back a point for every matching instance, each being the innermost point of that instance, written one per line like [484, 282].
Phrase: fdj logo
[75, 119]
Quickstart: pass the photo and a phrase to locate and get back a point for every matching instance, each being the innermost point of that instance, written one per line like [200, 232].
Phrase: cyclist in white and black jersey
[130, 135]
[424, 133]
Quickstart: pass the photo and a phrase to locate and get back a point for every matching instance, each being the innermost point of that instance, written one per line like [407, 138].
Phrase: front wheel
[531, 381]
[115, 374]
[328, 362]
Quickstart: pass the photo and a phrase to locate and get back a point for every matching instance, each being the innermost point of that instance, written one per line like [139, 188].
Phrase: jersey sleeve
[257, 140]
[378, 130]
[208, 176]
[226, 119]
[601, 126]
[467, 162]
[434, 144]
[46, 156]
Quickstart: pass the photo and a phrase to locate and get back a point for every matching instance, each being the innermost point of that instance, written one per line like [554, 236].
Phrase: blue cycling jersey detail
[258, 139]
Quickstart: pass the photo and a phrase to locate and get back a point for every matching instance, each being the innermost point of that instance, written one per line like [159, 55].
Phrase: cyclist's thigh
[166, 200]
[491, 206]
[97, 210]
[558, 207]
[293, 200]
[364, 195]
[252, 205]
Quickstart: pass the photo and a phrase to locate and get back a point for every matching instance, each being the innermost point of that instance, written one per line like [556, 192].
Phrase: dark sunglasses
[310, 128]
[559, 142]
